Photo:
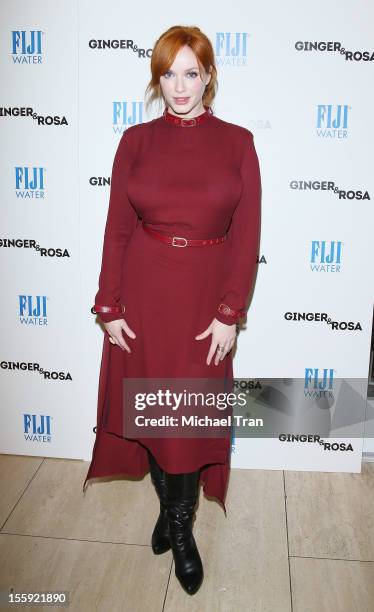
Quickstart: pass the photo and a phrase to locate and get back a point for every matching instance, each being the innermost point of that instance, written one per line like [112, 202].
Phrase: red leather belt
[179, 241]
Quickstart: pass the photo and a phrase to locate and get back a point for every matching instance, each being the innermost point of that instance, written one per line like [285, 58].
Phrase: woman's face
[182, 86]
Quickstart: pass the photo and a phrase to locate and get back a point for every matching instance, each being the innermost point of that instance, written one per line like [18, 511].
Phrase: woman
[172, 312]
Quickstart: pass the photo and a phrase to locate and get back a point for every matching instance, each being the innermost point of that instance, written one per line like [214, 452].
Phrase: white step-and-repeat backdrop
[299, 76]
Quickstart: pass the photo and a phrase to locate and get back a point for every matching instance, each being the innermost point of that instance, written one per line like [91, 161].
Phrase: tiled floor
[292, 541]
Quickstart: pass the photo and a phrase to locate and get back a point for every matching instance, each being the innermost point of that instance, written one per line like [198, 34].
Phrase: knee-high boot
[160, 536]
[181, 496]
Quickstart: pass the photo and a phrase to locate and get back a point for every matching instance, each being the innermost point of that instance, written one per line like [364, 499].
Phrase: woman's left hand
[223, 338]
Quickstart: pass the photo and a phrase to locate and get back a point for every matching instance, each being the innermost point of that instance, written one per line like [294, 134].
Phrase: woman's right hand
[114, 329]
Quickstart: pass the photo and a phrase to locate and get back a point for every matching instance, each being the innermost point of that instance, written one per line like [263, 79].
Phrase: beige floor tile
[53, 505]
[325, 585]
[331, 514]
[16, 472]
[244, 555]
[100, 577]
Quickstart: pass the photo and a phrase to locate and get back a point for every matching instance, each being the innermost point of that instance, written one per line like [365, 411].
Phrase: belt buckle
[179, 238]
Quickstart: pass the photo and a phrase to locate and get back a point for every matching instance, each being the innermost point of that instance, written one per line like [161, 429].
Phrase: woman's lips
[181, 100]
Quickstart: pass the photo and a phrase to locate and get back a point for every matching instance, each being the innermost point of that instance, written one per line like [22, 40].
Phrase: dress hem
[142, 471]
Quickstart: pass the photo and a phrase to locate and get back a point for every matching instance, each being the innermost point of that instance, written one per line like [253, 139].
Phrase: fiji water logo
[27, 46]
[37, 427]
[125, 114]
[319, 382]
[326, 255]
[29, 182]
[332, 120]
[33, 310]
[231, 48]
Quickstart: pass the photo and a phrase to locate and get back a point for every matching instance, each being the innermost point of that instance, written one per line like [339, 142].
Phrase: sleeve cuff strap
[225, 310]
[108, 309]
[228, 315]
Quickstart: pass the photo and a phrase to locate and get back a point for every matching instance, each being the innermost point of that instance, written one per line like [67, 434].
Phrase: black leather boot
[181, 496]
[160, 536]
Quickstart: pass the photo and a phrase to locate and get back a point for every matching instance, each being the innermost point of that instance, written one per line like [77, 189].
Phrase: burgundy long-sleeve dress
[194, 179]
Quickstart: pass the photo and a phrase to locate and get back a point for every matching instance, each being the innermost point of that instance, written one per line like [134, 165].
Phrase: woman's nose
[179, 86]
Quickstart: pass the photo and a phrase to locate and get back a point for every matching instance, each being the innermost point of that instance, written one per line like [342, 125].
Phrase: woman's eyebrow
[193, 68]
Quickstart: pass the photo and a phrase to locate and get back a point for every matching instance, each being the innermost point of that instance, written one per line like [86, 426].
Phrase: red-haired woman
[179, 259]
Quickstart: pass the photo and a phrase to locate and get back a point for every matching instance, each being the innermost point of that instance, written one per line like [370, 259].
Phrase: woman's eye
[192, 72]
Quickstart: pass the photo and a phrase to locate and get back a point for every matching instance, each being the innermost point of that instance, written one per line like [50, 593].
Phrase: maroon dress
[194, 179]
